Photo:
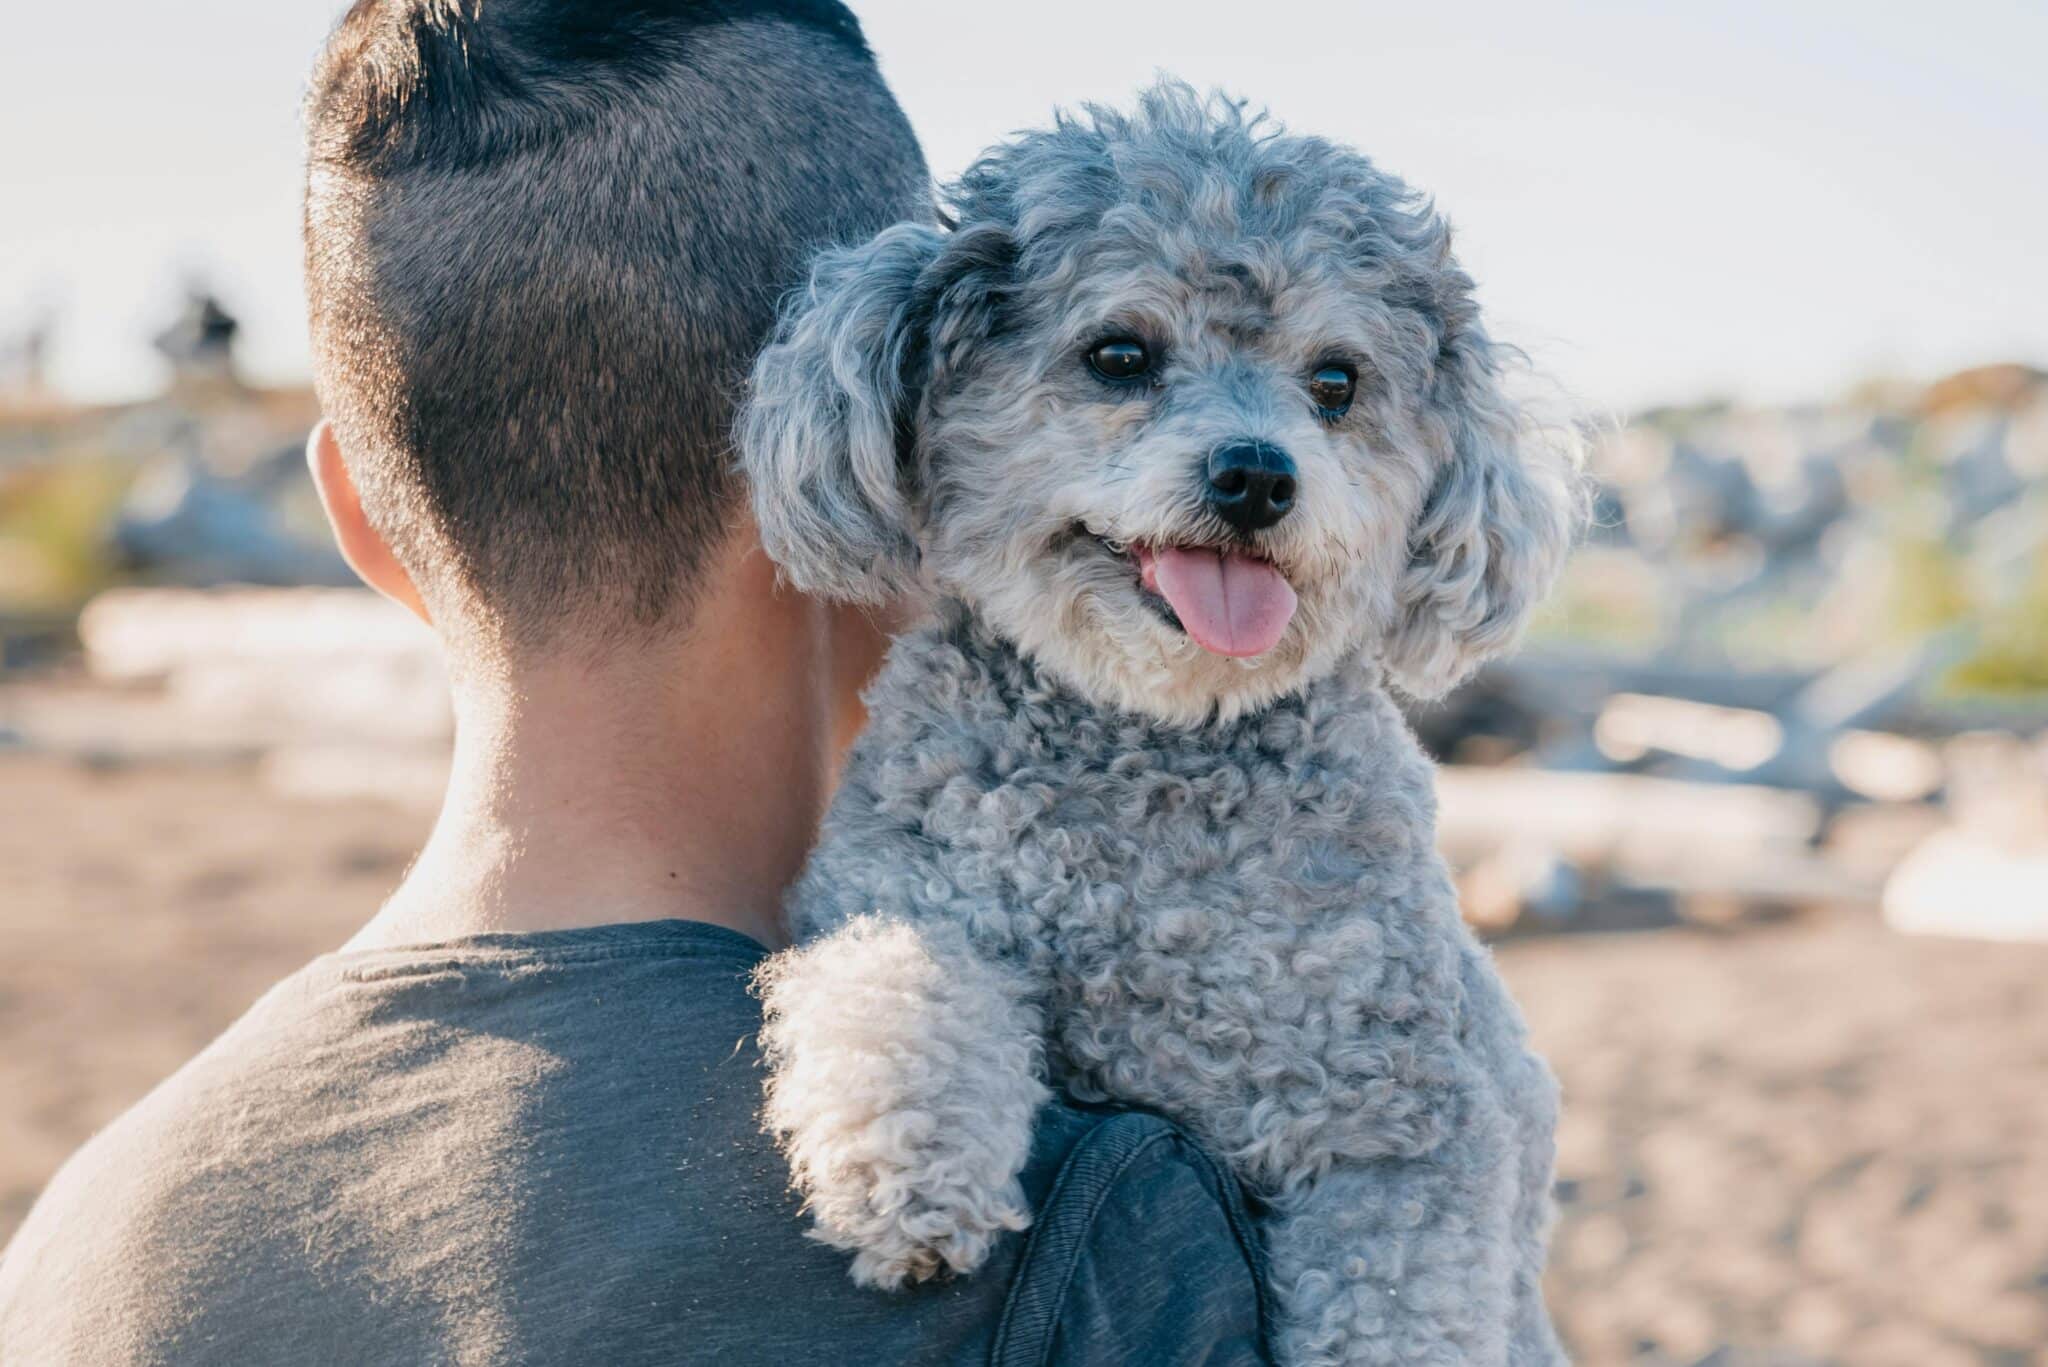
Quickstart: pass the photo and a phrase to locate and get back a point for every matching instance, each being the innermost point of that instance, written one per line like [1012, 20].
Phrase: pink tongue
[1231, 604]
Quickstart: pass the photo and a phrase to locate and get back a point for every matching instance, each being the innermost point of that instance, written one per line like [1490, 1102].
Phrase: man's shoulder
[135, 1209]
[1142, 1249]
[525, 1153]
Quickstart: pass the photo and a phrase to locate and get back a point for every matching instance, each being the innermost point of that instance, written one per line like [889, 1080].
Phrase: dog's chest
[1103, 847]
[1232, 925]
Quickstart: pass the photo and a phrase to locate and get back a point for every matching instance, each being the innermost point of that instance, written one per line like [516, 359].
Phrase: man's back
[544, 238]
[544, 1147]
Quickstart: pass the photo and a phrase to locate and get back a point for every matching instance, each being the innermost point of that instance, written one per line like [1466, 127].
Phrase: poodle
[1189, 435]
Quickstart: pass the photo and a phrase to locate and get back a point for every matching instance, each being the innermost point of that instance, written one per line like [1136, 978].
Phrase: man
[516, 1119]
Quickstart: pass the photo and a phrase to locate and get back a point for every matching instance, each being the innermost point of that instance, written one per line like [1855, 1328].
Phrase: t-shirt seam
[514, 961]
[1250, 1246]
[1081, 1227]
[1035, 1346]
[1087, 1228]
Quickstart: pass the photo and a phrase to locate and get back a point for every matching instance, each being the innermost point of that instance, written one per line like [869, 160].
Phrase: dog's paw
[902, 1085]
[926, 1238]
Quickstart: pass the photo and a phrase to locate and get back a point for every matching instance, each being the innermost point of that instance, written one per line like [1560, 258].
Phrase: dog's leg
[1406, 1261]
[1495, 1032]
[903, 1078]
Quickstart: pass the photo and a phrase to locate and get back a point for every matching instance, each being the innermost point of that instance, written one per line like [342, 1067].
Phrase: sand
[1808, 1142]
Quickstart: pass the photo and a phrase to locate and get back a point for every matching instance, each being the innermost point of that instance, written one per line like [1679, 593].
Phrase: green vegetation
[2014, 655]
[53, 524]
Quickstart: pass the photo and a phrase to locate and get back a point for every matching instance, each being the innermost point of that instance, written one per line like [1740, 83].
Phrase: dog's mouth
[1230, 601]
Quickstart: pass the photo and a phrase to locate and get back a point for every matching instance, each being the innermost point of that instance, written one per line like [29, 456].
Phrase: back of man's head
[543, 240]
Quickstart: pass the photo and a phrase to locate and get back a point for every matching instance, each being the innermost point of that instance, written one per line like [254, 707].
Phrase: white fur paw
[902, 1086]
[926, 1238]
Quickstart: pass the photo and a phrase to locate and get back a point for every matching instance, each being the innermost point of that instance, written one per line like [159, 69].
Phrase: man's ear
[829, 436]
[366, 551]
[1505, 508]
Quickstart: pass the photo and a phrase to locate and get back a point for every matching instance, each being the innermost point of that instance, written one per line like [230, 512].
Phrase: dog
[1189, 434]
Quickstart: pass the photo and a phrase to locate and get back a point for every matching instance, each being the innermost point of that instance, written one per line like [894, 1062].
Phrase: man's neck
[679, 780]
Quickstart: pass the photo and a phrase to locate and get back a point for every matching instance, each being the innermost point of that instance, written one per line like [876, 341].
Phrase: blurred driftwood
[1677, 849]
[332, 692]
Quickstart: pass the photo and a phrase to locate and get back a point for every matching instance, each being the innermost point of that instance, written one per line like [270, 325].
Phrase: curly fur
[912, 1159]
[1073, 846]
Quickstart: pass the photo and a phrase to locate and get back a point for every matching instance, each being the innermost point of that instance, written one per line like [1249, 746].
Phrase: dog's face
[1188, 412]
[1185, 481]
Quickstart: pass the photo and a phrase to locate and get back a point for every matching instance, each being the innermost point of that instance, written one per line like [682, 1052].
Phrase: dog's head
[1187, 409]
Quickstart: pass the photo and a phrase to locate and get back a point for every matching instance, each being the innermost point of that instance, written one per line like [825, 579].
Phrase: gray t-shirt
[543, 1148]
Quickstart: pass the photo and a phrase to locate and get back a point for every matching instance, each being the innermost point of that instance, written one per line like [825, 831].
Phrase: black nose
[1251, 484]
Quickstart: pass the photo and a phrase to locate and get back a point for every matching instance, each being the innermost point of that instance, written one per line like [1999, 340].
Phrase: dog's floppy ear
[829, 436]
[1505, 508]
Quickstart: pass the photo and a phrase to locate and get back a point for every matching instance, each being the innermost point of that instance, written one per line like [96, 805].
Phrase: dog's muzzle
[1250, 484]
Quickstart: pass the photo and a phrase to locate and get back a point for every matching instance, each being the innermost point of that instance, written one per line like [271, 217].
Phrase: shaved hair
[544, 241]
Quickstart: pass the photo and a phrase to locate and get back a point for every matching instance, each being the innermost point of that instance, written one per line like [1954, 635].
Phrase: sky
[1660, 202]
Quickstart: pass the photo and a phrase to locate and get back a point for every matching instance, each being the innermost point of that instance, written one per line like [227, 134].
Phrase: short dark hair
[543, 242]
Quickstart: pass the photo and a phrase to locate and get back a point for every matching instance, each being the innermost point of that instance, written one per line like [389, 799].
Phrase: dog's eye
[1120, 358]
[1332, 387]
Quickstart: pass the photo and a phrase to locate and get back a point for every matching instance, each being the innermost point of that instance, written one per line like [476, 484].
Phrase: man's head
[544, 239]
[1187, 408]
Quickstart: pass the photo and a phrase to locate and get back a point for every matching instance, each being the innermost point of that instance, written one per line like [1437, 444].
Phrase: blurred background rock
[1757, 821]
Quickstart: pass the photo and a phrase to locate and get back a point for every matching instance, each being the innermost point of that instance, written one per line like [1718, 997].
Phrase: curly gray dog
[1190, 434]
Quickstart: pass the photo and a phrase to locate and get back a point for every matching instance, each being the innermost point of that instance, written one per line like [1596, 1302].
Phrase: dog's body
[1243, 926]
[1136, 818]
